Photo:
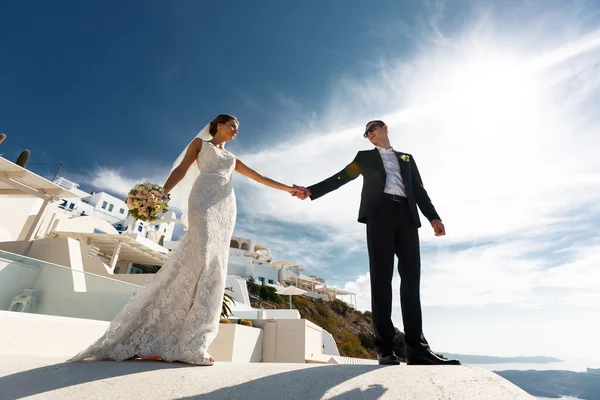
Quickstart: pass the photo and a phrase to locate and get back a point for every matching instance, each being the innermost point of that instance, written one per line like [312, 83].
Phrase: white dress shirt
[393, 178]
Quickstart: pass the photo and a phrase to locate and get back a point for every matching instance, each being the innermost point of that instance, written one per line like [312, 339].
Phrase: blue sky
[134, 76]
[497, 102]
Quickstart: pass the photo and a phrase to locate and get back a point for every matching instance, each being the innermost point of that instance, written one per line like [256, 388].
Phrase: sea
[562, 398]
[575, 366]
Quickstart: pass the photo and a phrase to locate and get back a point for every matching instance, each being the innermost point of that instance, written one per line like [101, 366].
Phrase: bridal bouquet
[147, 201]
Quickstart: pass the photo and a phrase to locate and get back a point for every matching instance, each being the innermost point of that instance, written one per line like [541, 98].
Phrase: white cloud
[361, 287]
[581, 274]
[115, 181]
[481, 276]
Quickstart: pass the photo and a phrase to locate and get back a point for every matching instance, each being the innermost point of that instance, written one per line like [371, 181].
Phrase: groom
[392, 189]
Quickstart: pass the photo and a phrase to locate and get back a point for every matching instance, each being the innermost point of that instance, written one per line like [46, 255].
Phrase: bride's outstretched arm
[179, 172]
[252, 174]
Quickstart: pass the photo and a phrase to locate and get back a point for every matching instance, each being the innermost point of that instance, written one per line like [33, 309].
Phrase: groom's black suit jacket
[368, 163]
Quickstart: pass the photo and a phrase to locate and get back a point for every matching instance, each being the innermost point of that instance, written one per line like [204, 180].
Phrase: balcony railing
[52, 289]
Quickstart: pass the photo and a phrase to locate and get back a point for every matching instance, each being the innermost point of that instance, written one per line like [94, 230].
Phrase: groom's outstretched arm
[332, 183]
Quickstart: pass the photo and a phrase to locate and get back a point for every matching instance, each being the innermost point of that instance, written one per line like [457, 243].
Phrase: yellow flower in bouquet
[147, 201]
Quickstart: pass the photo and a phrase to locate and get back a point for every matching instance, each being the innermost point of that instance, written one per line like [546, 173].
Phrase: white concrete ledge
[237, 343]
[46, 335]
[44, 378]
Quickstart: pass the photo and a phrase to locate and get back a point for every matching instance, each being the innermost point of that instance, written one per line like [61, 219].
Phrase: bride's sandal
[204, 360]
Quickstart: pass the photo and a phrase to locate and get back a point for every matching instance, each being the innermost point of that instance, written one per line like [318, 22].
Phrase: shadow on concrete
[373, 392]
[45, 379]
[307, 383]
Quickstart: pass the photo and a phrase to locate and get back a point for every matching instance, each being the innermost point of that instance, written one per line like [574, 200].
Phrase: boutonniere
[405, 158]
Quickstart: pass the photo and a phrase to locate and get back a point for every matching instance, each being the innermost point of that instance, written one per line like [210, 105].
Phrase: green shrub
[267, 293]
[339, 307]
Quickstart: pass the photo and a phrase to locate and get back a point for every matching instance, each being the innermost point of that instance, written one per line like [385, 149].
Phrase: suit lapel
[403, 167]
[378, 161]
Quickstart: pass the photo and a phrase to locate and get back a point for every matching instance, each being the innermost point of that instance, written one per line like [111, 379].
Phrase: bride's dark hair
[220, 119]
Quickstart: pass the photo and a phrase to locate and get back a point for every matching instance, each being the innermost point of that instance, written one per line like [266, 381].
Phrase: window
[271, 281]
[143, 269]
[71, 206]
[64, 203]
[165, 230]
[121, 211]
[261, 278]
[156, 227]
[110, 207]
[140, 228]
[104, 204]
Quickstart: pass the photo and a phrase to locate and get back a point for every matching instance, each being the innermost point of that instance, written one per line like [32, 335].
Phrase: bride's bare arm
[252, 174]
[179, 172]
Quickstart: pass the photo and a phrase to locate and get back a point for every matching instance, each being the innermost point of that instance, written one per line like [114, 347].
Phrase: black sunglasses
[371, 129]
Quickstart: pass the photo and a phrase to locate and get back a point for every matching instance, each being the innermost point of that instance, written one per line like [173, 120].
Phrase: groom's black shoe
[388, 359]
[426, 357]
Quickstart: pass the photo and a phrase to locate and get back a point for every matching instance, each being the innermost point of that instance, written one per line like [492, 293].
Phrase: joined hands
[300, 192]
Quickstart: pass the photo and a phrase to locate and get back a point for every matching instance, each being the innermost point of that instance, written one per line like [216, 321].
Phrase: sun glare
[490, 88]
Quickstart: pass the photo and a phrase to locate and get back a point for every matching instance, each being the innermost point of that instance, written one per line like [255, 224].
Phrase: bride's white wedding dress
[176, 316]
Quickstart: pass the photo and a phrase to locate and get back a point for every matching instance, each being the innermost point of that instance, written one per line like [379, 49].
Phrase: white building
[101, 204]
[26, 199]
[114, 211]
[249, 259]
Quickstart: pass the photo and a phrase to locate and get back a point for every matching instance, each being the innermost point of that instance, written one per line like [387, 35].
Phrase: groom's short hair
[375, 120]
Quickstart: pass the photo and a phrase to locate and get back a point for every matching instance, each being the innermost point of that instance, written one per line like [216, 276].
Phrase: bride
[176, 317]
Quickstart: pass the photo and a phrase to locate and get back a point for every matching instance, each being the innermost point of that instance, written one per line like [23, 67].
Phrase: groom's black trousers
[392, 231]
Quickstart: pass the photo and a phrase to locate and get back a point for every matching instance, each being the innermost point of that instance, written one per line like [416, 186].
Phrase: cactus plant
[245, 322]
[23, 158]
[2, 137]
[224, 321]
